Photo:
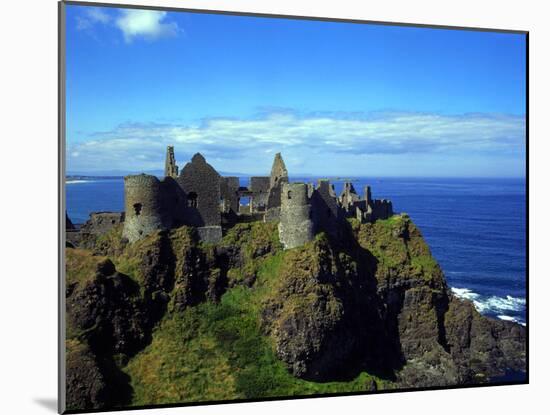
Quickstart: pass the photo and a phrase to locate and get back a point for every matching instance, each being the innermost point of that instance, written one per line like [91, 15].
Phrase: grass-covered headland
[171, 320]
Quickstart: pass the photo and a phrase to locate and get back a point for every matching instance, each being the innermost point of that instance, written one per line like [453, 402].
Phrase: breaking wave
[493, 305]
[77, 181]
[513, 319]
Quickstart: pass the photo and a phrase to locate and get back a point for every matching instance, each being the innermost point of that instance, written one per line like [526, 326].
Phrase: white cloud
[133, 23]
[98, 15]
[319, 136]
[90, 17]
[149, 24]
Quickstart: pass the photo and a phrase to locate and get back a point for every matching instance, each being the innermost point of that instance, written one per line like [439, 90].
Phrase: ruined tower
[144, 213]
[348, 197]
[279, 172]
[368, 195]
[279, 176]
[170, 167]
[295, 226]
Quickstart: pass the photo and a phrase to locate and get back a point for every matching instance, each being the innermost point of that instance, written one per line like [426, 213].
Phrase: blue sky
[334, 98]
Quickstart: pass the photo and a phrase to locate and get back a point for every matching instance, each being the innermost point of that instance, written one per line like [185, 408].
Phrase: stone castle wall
[295, 226]
[278, 177]
[326, 212]
[201, 183]
[201, 198]
[101, 223]
[229, 192]
[382, 209]
[259, 186]
[170, 167]
[144, 211]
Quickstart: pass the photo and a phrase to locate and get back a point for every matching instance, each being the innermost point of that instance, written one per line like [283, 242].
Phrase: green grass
[81, 265]
[217, 351]
[411, 257]
[253, 237]
[391, 222]
[425, 264]
[111, 242]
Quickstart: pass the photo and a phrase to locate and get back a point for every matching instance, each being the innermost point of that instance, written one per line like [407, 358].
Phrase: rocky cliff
[168, 319]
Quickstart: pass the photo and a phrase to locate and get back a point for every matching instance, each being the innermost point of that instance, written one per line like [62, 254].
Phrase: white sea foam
[507, 303]
[77, 181]
[510, 318]
[464, 293]
[455, 272]
[493, 304]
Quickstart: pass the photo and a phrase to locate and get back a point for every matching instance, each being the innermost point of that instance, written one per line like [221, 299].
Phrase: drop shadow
[49, 403]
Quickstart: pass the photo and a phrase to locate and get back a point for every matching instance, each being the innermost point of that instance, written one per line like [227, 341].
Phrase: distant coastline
[87, 179]
[73, 178]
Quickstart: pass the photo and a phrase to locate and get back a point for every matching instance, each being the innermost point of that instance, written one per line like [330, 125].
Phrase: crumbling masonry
[199, 196]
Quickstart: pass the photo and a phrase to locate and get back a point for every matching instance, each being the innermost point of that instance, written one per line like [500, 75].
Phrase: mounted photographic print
[264, 207]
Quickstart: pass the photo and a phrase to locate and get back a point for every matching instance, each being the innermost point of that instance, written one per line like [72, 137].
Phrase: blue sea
[476, 229]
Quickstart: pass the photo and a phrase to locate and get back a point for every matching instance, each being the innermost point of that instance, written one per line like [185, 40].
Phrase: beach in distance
[475, 228]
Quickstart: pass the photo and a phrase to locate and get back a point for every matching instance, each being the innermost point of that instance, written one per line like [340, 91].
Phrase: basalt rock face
[93, 381]
[86, 385]
[200, 273]
[321, 311]
[371, 300]
[112, 310]
[107, 310]
[483, 347]
[443, 340]
[379, 302]
[198, 278]
[110, 316]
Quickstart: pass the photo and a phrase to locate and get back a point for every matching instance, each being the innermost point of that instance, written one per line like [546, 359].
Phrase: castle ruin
[295, 225]
[198, 196]
[170, 167]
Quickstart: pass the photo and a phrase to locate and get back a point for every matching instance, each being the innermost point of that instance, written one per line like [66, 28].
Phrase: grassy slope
[81, 265]
[216, 351]
[413, 257]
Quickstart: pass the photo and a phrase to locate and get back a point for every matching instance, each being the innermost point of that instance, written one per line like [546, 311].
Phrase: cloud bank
[308, 138]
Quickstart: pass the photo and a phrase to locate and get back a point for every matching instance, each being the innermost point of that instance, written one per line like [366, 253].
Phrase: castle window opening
[192, 200]
[244, 201]
[289, 195]
[137, 208]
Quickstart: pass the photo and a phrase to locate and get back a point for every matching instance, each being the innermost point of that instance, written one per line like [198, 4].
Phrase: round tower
[295, 227]
[143, 205]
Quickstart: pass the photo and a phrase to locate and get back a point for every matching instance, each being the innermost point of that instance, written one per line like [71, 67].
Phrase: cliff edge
[169, 319]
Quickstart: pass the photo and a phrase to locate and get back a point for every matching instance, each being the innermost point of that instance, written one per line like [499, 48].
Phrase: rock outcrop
[86, 386]
[371, 300]
[380, 302]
